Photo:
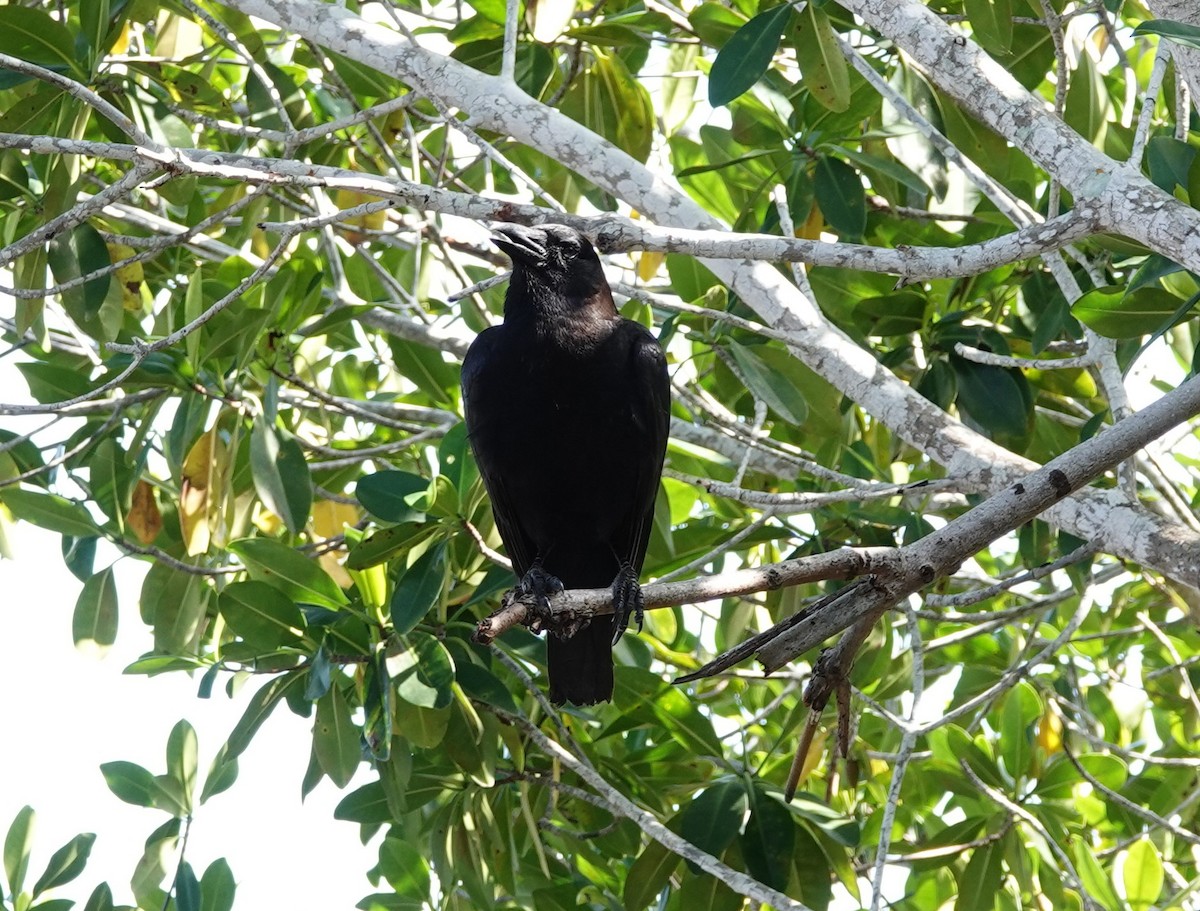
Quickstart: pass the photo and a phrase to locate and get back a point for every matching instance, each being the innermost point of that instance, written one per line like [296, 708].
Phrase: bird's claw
[541, 586]
[627, 599]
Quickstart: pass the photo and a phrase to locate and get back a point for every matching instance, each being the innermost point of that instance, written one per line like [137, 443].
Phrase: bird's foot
[540, 586]
[627, 600]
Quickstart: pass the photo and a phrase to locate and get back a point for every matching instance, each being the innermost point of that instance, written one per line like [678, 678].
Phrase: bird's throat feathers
[534, 306]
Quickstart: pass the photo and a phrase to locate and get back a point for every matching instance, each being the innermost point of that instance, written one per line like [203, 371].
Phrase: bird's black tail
[581, 668]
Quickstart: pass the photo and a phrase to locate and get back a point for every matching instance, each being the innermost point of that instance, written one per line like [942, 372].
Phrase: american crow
[567, 410]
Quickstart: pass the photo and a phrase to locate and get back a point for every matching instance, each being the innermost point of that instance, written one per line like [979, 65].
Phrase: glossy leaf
[261, 615]
[404, 868]
[823, 67]
[49, 511]
[839, 192]
[419, 589]
[1179, 32]
[280, 475]
[292, 573]
[746, 55]
[981, 878]
[992, 23]
[394, 496]
[769, 838]
[714, 817]
[649, 874]
[335, 738]
[18, 843]
[768, 384]
[65, 864]
[1115, 314]
[94, 625]
[1142, 875]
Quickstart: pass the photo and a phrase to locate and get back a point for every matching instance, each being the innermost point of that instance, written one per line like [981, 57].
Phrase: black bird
[567, 410]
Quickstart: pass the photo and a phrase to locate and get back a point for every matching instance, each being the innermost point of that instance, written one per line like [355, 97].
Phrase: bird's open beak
[525, 246]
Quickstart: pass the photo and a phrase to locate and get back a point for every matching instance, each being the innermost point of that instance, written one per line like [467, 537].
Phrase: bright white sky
[65, 713]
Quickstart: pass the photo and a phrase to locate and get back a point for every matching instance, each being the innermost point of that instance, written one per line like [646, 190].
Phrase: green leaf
[713, 819]
[839, 192]
[263, 616]
[281, 475]
[424, 727]
[648, 876]
[65, 864]
[1142, 875]
[406, 870]
[1087, 104]
[367, 805]
[1115, 314]
[1179, 32]
[1169, 161]
[93, 17]
[387, 543]
[1095, 880]
[424, 672]
[17, 845]
[992, 23]
[767, 383]
[222, 774]
[34, 35]
[217, 887]
[611, 103]
[139, 786]
[187, 888]
[981, 877]
[94, 625]
[175, 603]
[746, 55]
[823, 67]
[769, 839]
[419, 589]
[294, 574]
[50, 383]
[394, 496]
[335, 738]
[1060, 778]
[74, 255]
[49, 511]
[181, 759]
[703, 890]
[130, 782]
[997, 399]
[1022, 708]
[100, 900]
[261, 705]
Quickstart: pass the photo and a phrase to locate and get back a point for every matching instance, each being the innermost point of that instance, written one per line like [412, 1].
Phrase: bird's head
[553, 257]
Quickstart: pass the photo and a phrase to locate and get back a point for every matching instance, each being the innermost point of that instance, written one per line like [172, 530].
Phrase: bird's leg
[540, 585]
[627, 600]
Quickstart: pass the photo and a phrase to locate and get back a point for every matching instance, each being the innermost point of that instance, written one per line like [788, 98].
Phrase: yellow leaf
[648, 263]
[548, 18]
[129, 277]
[816, 751]
[144, 517]
[812, 226]
[121, 45]
[266, 521]
[1049, 731]
[194, 493]
[205, 475]
[332, 565]
[329, 518]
